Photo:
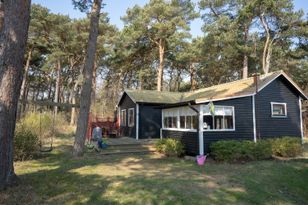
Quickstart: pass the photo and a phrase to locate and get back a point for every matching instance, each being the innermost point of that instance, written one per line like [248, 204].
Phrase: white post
[161, 133]
[301, 119]
[254, 119]
[137, 121]
[201, 143]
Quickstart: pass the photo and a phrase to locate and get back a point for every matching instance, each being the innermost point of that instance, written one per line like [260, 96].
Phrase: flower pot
[201, 159]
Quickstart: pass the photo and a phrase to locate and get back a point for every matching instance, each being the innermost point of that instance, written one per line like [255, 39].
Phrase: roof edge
[282, 73]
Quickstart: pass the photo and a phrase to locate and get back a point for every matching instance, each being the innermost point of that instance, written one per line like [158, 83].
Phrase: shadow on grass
[147, 179]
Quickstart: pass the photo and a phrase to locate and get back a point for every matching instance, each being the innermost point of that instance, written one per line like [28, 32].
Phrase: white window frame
[131, 124]
[123, 123]
[285, 110]
[221, 130]
[177, 115]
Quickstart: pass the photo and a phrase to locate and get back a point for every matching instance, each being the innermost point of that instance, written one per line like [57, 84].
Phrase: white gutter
[137, 121]
[301, 119]
[254, 118]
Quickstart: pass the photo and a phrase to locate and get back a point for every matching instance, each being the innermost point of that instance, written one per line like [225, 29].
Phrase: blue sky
[117, 8]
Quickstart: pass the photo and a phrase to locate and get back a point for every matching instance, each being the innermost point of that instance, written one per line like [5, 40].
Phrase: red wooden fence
[110, 127]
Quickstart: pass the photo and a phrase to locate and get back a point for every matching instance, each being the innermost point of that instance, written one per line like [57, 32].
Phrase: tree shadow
[150, 179]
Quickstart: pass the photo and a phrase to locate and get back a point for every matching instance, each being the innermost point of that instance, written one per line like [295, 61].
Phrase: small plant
[286, 147]
[26, 144]
[170, 147]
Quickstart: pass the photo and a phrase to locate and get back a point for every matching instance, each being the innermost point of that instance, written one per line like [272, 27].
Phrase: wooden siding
[243, 123]
[267, 126]
[127, 103]
[189, 139]
[149, 121]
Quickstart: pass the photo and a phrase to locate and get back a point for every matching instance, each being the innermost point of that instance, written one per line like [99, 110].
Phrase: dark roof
[235, 89]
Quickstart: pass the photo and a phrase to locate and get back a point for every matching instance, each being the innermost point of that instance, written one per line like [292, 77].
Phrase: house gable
[279, 90]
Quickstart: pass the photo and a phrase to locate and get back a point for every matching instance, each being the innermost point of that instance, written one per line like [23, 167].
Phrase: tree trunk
[23, 95]
[57, 90]
[93, 94]
[245, 60]
[14, 23]
[85, 101]
[73, 111]
[266, 50]
[160, 74]
[193, 82]
[25, 75]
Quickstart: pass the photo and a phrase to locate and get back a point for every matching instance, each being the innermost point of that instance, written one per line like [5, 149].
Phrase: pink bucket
[201, 159]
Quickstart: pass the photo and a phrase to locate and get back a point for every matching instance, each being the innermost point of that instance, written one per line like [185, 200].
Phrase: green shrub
[245, 150]
[26, 144]
[170, 147]
[286, 146]
[40, 124]
[235, 150]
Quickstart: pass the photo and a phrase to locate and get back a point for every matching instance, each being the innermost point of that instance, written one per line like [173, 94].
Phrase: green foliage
[170, 147]
[246, 150]
[40, 124]
[286, 147]
[26, 144]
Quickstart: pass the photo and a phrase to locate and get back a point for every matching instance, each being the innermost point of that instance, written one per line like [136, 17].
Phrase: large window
[123, 117]
[181, 118]
[279, 109]
[222, 118]
[131, 117]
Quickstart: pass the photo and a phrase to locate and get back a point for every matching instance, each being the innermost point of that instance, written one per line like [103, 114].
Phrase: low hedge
[286, 147]
[170, 147]
[245, 150]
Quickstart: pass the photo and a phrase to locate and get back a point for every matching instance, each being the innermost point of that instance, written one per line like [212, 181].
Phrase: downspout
[137, 121]
[199, 128]
[256, 131]
[301, 119]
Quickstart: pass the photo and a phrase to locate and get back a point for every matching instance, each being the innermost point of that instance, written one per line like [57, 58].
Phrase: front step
[128, 149]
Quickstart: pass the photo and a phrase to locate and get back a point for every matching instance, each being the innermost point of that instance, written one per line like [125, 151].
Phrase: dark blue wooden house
[254, 108]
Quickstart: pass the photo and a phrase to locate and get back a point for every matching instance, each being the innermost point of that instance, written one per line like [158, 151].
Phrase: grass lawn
[152, 179]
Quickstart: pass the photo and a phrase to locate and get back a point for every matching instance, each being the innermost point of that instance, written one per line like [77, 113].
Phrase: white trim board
[288, 78]
[200, 134]
[285, 110]
[254, 119]
[301, 119]
[226, 98]
[137, 121]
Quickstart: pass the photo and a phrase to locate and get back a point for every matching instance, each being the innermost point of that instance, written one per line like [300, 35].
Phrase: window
[279, 109]
[222, 119]
[131, 117]
[123, 117]
[181, 118]
[189, 122]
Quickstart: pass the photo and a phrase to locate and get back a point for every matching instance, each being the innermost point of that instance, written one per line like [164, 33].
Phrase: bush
[234, 150]
[170, 147]
[286, 147]
[26, 144]
[245, 150]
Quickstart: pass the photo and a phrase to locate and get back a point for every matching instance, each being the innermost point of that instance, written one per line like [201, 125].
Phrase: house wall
[243, 127]
[267, 126]
[149, 121]
[243, 123]
[189, 139]
[127, 103]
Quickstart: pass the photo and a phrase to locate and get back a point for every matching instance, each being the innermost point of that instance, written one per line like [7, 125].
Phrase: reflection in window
[223, 119]
[279, 109]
